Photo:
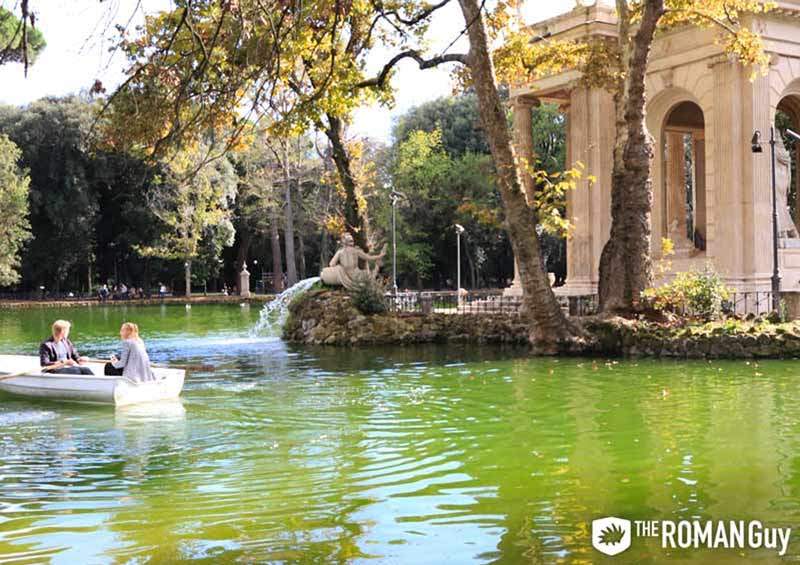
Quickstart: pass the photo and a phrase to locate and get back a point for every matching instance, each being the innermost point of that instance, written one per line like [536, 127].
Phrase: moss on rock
[323, 316]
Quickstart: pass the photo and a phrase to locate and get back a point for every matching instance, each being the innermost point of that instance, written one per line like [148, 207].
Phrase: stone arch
[788, 107]
[685, 224]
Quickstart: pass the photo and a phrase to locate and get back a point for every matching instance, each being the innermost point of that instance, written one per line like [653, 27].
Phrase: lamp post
[756, 144]
[395, 196]
[256, 272]
[459, 231]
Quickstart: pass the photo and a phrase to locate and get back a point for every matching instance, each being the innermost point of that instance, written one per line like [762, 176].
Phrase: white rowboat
[29, 380]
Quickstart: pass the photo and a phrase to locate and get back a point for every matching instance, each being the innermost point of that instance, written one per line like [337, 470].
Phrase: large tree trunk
[291, 263]
[277, 262]
[625, 264]
[550, 329]
[354, 217]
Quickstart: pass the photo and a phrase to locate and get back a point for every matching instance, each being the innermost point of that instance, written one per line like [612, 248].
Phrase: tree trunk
[291, 263]
[245, 238]
[187, 275]
[354, 217]
[550, 329]
[625, 264]
[277, 263]
[241, 254]
[301, 254]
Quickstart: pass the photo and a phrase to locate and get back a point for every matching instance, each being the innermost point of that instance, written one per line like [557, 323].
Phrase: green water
[419, 455]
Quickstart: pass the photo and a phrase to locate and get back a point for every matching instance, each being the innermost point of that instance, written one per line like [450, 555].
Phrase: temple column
[676, 192]
[700, 186]
[797, 184]
[523, 146]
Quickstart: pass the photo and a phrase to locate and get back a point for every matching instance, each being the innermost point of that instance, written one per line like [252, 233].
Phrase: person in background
[133, 363]
[103, 292]
[58, 355]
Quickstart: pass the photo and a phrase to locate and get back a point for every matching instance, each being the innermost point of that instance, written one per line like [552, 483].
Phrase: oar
[22, 373]
[13, 375]
[207, 368]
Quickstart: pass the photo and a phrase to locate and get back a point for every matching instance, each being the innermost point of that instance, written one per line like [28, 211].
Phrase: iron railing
[743, 303]
[477, 302]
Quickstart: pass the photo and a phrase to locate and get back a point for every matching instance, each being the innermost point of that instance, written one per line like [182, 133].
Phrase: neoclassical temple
[712, 194]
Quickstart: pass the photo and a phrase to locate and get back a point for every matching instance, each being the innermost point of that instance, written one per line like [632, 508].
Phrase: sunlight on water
[417, 455]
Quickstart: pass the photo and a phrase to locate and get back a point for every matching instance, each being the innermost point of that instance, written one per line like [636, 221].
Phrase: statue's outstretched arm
[368, 257]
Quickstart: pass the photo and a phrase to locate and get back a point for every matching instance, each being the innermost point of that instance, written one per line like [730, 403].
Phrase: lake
[443, 454]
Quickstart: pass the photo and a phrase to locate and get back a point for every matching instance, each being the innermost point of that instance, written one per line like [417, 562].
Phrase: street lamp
[395, 196]
[459, 230]
[756, 144]
[255, 272]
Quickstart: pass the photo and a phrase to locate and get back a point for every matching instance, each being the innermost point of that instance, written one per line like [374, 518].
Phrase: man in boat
[58, 355]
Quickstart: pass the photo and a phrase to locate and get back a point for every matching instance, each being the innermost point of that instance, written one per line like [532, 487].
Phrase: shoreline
[11, 304]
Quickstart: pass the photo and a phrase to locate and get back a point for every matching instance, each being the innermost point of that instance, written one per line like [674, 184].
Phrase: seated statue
[343, 268]
[783, 178]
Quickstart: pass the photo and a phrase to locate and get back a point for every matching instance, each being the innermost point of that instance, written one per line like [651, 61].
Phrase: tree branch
[380, 80]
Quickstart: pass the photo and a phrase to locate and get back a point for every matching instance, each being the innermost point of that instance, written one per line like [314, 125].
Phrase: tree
[20, 41]
[196, 68]
[620, 66]
[15, 228]
[195, 206]
[63, 206]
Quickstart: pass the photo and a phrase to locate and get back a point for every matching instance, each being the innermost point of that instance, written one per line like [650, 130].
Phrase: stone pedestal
[244, 282]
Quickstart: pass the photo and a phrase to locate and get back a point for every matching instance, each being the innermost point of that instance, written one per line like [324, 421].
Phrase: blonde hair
[59, 326]
[132, 329]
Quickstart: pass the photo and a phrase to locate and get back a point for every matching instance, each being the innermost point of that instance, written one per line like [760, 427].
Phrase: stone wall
[328, 317]
[726, 339]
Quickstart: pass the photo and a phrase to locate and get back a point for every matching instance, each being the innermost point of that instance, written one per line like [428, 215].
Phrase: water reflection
[428, 454]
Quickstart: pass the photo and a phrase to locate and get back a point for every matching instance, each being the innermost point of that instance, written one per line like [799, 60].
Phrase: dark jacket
[48, 355]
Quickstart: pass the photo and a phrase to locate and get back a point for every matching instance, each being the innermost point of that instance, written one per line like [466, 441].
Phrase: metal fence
[494, 302]
[477, 302]
[743, 303]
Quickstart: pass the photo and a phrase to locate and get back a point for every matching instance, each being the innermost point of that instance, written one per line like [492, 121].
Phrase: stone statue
[343, 268]
[783, 176]
[682, 246]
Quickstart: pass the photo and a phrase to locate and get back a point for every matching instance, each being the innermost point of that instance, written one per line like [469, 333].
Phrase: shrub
[698, 294]
[368, 294]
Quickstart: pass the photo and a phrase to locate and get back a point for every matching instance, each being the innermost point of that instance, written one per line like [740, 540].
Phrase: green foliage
[63, 206]
[698, 294]
[11, 48]
[194, 204]
[368, 294]
[15, 228]
[456, 118]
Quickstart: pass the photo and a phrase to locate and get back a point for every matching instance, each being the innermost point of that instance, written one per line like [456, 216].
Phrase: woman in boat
[58, 355]
[133, 363]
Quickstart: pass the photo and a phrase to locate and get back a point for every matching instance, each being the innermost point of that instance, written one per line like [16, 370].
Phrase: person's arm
[44, 356]
[74, 354]
[123, 360]
[335, 260]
